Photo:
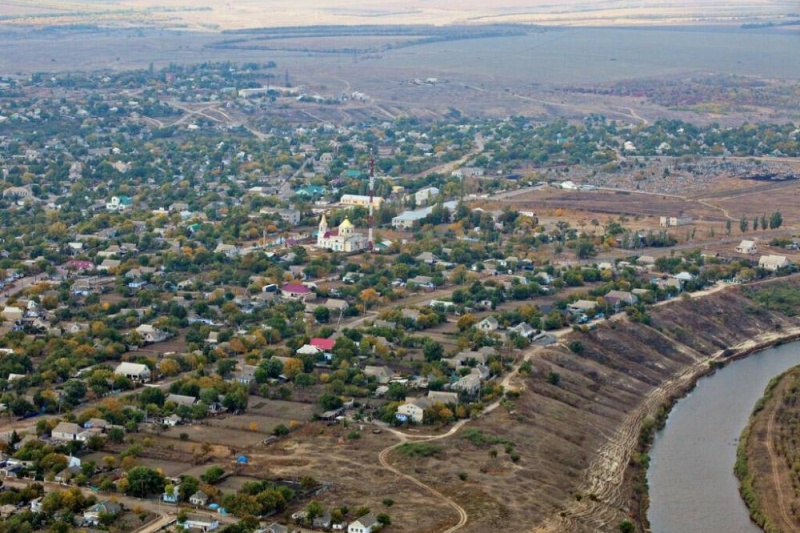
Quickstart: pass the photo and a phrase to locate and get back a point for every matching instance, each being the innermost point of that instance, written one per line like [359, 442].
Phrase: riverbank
[696, 337]
[639, 465]
[766, 456]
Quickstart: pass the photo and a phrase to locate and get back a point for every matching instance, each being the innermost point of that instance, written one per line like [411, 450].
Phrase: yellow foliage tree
[292, 367]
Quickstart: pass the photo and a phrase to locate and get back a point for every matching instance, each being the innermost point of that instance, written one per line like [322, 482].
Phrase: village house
[410, 314]
[428, 258]
[133, 371]
[365, 524]
[151, 334]
[413, 409]
[773, 262]
[426, 196]
[296, 291]
[471, 384]
[228, 250]
[67, 474]
[445, 398]
[200, 523]
[181, 400]
[680, 220]
[18, 193]
[382, 374]
[423, 282]
[119, 203]
[173, 495]
[172, 420]
[91, 516]
[489, 323]
[466, 358]
[109, 265]
[620, 298]
[199, 499]
[523, 329]
[747, 247]
[66, 431]
[581, 306]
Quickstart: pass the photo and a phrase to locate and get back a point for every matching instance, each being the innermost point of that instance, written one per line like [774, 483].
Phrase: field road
[382, 458]
[776, 461]
[405, 437]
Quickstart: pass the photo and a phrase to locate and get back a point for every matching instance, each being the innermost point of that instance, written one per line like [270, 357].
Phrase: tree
[584, 249]
[292, 367]
[384, 519]
[116, 435]
[322, 314]
[169, 367]
[74, 391]
[743, 224]
[728, 226]
[212, 475]
[466, 321]
[329, 402]
[189, 485]
[152, 396]
[755, 223]
[775, 220]
[236, 398]
[313, 510]
[432, 350]
[143, 480]
[368, 296]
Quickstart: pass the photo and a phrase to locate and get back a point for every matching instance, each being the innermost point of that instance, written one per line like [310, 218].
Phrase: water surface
[692, 486]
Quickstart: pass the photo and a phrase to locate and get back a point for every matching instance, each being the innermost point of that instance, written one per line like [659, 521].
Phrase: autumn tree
[368, 297]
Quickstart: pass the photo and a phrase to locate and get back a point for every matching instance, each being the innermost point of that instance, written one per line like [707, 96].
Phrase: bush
[553, 378]
[212, 475]
[184, 436]
[419, 449]
[626, 527]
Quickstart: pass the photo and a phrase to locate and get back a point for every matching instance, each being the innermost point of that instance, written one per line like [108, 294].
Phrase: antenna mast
[370, 242]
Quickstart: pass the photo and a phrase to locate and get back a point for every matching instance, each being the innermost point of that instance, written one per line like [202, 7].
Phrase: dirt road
[383, 459]
[775, 461]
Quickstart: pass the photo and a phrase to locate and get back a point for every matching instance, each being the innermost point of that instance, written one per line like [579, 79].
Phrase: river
[692, 486]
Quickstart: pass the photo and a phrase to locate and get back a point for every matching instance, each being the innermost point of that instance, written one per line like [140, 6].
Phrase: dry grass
[272, 13]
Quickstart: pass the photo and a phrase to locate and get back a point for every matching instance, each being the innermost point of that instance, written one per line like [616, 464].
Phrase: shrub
[419, 449]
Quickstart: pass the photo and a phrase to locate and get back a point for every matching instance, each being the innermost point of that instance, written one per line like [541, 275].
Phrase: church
[343, 239]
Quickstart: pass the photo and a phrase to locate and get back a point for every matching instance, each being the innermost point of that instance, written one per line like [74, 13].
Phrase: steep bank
[575, 426]
[767, 456]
